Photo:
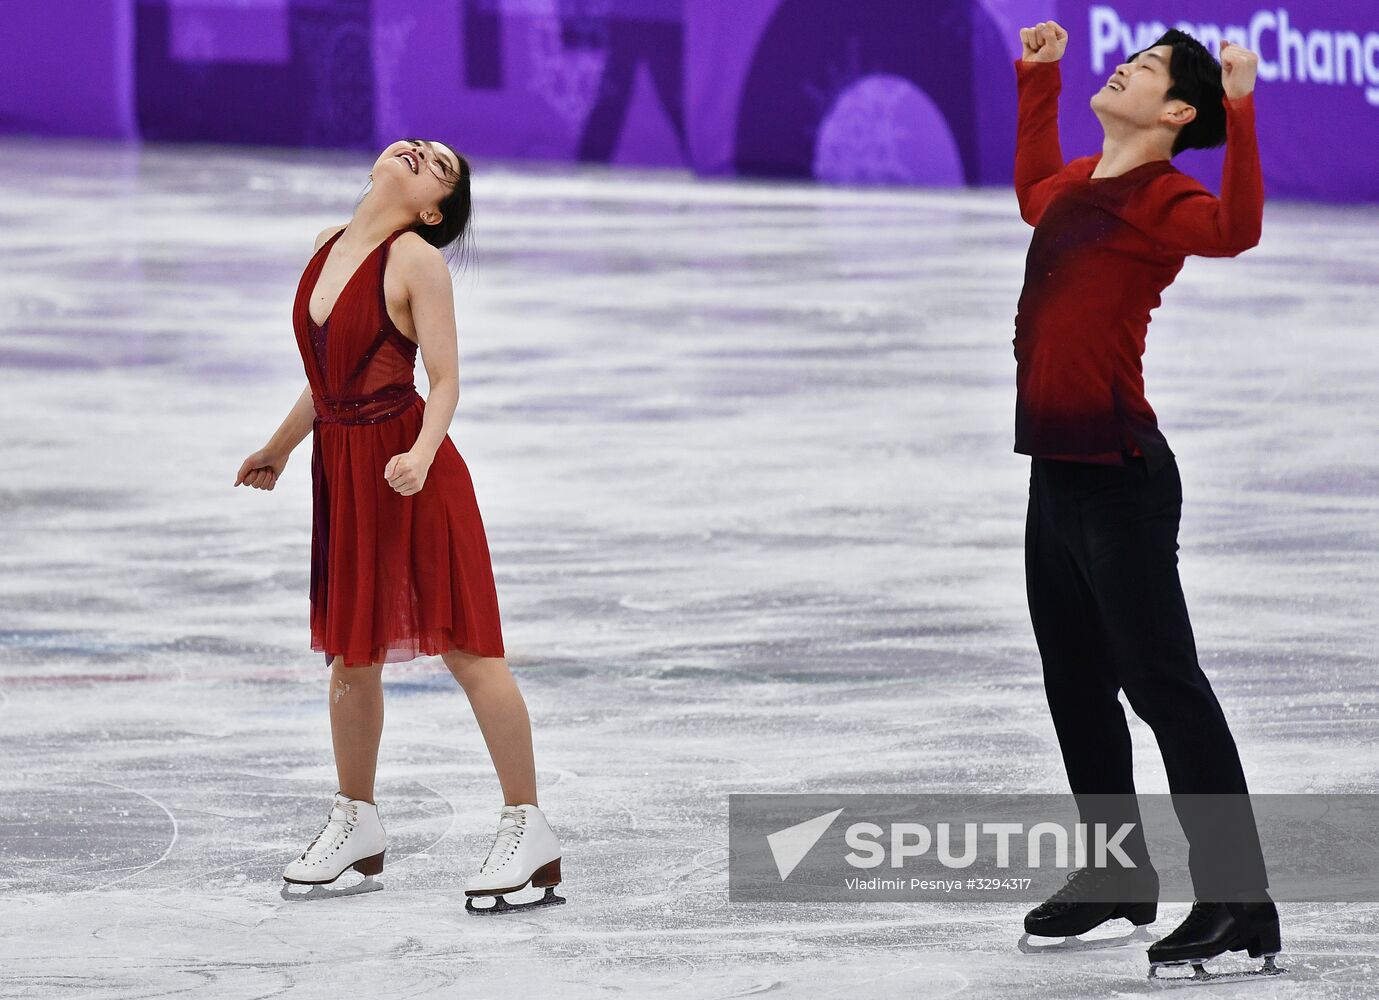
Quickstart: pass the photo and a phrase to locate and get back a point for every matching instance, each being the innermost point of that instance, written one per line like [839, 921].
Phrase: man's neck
[1122, 150]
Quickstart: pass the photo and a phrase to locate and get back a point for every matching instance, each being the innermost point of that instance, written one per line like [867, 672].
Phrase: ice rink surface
[744, 456]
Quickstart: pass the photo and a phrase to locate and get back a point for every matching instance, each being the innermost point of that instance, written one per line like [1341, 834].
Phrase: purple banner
[67, 69]
[1317, 98]
[867, 92]
[272, 72]
[597, 80]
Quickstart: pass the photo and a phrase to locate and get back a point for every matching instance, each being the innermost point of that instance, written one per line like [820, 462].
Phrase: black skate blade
[1078, 943]
[1201, 977]
[501, 905]
[295, 892]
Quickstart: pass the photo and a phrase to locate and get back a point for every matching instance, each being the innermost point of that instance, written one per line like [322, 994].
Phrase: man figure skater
[1110, 233]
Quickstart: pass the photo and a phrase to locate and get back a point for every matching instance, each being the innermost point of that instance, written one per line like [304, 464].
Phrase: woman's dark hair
[1195, 79]
[452, 235]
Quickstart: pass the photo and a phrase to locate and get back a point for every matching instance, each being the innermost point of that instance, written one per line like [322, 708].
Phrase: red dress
[392, 577]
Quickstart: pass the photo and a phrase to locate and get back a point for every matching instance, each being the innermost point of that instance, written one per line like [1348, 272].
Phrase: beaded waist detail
[386, 404]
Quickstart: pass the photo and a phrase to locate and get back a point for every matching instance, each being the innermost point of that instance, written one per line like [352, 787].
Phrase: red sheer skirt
[394, 577]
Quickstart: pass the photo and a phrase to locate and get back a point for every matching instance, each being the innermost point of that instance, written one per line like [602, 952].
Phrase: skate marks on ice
[172, 838]
[68, 833]
[74, 834]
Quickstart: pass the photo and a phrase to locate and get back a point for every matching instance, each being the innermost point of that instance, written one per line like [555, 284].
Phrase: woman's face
[422, 171]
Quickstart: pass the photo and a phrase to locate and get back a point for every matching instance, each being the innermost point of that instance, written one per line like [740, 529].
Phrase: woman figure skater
[400, 563]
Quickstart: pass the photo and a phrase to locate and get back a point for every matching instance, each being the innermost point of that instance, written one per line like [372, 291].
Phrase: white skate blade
[1037, 946]
[297, 893]
[1201, 977]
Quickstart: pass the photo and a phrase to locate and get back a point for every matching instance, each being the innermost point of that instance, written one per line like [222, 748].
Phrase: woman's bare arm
[431, 301]
[295, 426]
[261, 469]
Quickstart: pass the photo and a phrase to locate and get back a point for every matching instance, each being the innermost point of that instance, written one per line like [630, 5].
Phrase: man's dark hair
[1195, 79]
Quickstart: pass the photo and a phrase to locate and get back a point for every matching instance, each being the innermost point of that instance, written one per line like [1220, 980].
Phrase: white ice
[744, 456]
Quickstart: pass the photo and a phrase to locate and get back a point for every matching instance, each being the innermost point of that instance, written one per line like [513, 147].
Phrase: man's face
[1137, 93]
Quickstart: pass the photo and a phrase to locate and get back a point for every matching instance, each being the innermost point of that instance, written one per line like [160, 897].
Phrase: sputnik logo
[789, 846]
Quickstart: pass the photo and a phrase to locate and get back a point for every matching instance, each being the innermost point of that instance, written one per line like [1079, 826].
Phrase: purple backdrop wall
[871, 91]
[1318, 93]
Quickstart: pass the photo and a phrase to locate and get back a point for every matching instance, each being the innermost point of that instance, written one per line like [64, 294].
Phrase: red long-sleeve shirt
[1102, 252]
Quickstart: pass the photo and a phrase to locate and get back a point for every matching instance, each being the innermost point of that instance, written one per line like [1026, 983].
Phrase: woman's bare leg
[356, 725]
[502, 716]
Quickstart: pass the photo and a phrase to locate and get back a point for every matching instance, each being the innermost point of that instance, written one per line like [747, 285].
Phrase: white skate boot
[526, 850]
[353, 837]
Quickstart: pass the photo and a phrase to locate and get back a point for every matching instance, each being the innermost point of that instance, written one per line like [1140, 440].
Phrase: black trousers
[1101, 573]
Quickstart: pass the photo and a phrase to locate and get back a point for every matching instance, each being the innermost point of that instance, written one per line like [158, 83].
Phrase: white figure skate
[353, 837]
[525, 851]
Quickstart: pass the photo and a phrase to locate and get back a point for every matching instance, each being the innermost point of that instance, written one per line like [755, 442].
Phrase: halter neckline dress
[392, 577]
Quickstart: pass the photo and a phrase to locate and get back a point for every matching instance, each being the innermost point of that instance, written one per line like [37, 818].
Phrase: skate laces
[1200, 915]
[510, 826]
[1079, 881]
[337, 827]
